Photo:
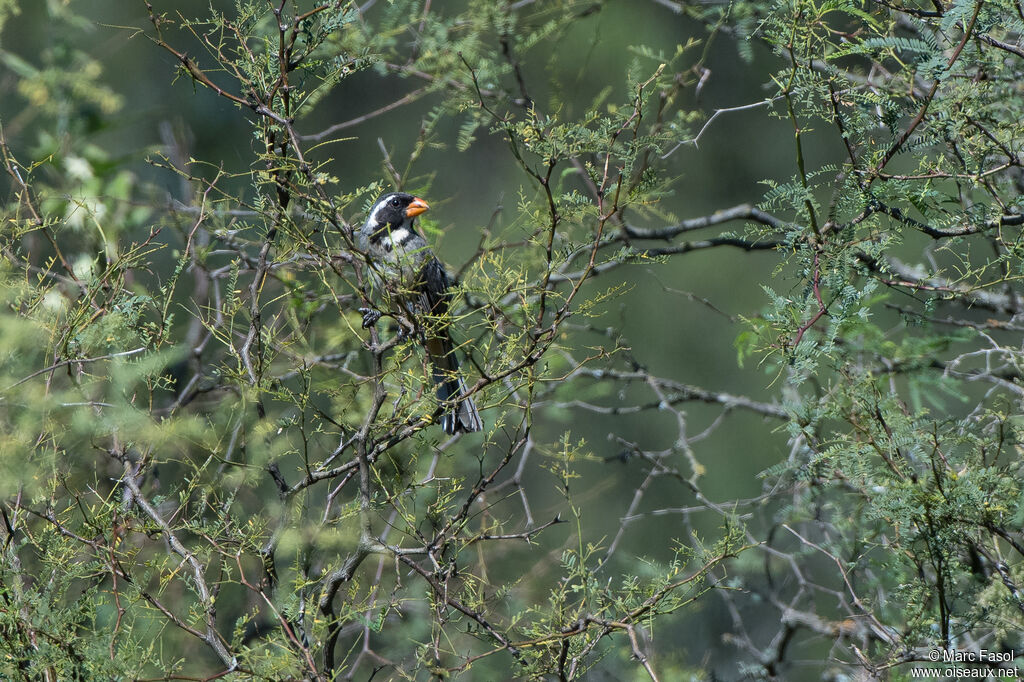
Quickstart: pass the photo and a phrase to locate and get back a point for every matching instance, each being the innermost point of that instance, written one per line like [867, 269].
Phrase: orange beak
[416, 207]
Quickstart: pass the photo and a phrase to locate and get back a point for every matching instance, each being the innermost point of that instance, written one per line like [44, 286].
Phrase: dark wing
[434, 300]
[459, 413]
[434, 293]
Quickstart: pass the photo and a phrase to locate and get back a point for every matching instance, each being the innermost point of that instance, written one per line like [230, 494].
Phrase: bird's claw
[370, 317]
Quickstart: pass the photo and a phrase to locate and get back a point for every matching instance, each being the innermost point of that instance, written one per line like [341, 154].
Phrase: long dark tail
[460, 413]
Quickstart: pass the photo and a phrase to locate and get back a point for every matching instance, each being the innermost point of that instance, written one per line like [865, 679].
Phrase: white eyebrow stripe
[373, 216]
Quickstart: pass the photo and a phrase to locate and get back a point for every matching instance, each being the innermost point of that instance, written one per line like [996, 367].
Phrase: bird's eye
[395, 202]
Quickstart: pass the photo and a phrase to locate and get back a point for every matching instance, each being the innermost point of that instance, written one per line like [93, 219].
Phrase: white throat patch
[399, 235]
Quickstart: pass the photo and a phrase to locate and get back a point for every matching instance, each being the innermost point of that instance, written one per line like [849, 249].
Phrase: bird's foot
[370, 317]
[407, 329]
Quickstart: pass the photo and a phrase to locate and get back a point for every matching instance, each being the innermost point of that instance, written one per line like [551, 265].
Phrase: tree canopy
[736, 288]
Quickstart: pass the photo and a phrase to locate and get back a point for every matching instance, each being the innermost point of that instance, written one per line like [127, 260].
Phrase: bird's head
[395, 209]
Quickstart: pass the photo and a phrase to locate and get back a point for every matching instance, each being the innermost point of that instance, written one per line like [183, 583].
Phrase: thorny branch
[350, 485]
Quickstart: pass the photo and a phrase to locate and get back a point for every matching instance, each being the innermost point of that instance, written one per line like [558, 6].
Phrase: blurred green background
[681, 339]
[680, 319]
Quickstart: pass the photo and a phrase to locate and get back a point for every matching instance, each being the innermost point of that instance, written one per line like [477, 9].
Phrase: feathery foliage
[212, 469]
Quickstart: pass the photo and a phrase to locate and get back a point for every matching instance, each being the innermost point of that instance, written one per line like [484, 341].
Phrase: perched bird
[418, 282]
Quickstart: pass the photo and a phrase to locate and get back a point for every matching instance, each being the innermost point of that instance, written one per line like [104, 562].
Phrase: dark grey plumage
[418, 282]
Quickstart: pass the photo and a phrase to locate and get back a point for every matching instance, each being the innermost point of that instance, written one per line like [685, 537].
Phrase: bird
[404, 265]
